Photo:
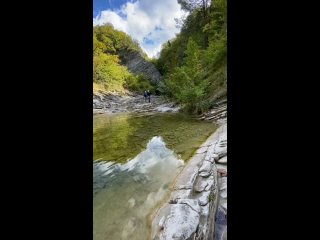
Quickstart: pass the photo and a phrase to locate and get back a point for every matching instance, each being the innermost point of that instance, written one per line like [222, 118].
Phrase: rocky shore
[131, 103]
[218, 112]
[197, 206]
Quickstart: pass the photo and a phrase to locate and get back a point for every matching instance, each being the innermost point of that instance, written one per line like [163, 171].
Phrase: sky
[150, 22]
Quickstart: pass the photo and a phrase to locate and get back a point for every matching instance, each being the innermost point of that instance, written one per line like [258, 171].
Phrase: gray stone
[204, 184]
[206, 167]
[180, 194]
[161, 222]
[181, 223]
[223, 193]
[191, 203]
[204, 198]
[205, 174]
[222, 160]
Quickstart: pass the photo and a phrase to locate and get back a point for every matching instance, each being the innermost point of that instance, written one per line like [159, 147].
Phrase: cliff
[137, 64]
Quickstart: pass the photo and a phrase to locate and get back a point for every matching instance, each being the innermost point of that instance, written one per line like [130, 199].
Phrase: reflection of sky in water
[124, 194]
[155, 159]
[136, 167]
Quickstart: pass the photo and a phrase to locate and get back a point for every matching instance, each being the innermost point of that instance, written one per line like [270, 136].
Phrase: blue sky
[100, 5]
[150, 22]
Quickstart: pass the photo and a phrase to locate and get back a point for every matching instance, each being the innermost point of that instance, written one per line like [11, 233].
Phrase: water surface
[136, 159]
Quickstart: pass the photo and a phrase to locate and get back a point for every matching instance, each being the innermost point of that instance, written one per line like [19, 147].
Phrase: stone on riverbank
[190, 212]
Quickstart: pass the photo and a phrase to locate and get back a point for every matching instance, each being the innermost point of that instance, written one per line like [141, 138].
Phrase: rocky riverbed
[113, 103]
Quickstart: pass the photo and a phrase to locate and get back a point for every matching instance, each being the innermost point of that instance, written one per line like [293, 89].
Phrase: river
[136, 158]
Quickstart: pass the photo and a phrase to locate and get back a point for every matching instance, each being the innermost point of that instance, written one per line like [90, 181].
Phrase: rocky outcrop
[190, 212]
[219, 111]
[137, 64]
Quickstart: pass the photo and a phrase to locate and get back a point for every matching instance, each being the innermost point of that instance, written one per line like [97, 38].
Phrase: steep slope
[119, 64]
[137, 64]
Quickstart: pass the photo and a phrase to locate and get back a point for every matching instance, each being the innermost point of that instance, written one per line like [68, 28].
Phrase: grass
[100, 88]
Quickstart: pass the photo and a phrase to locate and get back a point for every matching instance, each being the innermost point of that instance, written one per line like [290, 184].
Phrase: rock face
[191, 210]
[137, 64]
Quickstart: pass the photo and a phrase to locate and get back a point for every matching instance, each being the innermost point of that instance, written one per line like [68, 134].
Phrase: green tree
[185, 83]
[194, 64]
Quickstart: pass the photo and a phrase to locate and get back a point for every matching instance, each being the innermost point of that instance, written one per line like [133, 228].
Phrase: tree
[185, 83]
[195, 64]
[191, 5]
[194, 5]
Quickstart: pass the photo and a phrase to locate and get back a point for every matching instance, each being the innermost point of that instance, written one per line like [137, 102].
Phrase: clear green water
[136, 159]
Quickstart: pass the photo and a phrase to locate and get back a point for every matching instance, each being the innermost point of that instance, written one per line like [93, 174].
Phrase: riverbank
[197, 206]
[112, 103]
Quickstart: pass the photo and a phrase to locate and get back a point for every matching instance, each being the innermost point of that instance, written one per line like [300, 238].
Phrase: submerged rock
[132, 202]
[130, 227]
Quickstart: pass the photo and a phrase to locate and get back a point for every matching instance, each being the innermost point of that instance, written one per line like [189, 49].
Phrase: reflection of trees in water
[121, 137]
[111, 137]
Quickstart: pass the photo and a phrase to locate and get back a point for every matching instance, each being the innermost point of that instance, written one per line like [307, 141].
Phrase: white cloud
[143, 19]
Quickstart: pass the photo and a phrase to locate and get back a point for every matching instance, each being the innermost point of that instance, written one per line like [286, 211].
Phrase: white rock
[181, 223]
[203, 184]
[206, 167]
[223, 193]
[191, 203]
[222, 160]
[204, 199]
[205, 174]
[161, 222]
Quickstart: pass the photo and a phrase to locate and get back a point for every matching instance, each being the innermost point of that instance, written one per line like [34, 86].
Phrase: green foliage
[194, 64]
[115, 40]
[139, 83]
[191, 5]
[107, 70]
[185, 83]
[108, 73]
[211, 197]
